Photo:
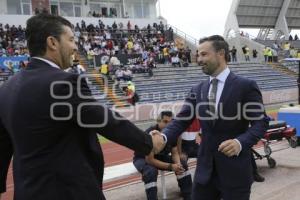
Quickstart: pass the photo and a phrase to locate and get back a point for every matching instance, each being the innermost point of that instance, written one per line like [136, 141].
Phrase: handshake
[158, 141]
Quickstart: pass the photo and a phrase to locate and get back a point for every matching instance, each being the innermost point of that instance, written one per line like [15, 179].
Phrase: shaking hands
[158, 141]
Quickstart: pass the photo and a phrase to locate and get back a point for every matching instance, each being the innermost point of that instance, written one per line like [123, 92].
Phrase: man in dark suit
[49, 122]
[226, 104]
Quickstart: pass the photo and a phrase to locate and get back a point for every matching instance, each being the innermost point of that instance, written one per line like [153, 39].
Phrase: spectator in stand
[10, 67]
[90, 57]
[104, 69]
[188, 54]
[131, 86]
[246, 52]
[275, 55]
[76, 68]
[286, 48]
[129, 46]
[233, 54]
[166, 55]
[121, 26]
[197, 55]
[127, 74]
[298, 53]
[175, 60]
[22, 65]
[129, 26]
[119, 74]
[114, 26]
[114, 63]
[254, 54]
[276, 46]
[270, 55]
[290, 38]
[2, 51]
[293, 52]
[296, 37]
[265, 53]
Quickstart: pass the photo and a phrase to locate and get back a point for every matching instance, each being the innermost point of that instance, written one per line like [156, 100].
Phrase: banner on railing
[125, 59]
[5, 62]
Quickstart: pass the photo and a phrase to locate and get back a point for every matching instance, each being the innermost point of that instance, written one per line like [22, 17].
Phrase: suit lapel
[204, 99]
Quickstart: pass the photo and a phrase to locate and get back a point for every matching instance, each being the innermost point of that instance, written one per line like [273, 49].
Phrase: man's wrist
[170, 167]
[239, 145]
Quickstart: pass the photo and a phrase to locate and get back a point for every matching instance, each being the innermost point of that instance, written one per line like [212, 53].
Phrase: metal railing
[183, 35]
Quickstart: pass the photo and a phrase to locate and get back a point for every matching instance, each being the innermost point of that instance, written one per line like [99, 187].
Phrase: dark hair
[219, 43]
[39, 28]
[164, 113]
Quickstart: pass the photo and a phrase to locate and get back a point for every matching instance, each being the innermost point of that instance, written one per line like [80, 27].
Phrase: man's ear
[52, 43]
[222, 52]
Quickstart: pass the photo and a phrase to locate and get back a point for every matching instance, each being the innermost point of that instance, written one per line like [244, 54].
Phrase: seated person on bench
[188, 142]
[148, 166]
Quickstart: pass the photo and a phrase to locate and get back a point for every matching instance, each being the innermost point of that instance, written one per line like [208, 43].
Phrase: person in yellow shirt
[265, 53]
[131, 86]
[270, 55]
[129, 46]
[166, 54]
[104, 69]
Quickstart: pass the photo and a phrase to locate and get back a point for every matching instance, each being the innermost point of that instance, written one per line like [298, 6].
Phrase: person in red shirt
[189, 141]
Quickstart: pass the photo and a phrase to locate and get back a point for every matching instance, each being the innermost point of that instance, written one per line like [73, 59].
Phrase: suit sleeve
[88, 113]
[183, 119]
[253, 112]
[6, 152]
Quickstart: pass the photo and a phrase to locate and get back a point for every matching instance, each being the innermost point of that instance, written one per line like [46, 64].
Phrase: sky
[198, 18]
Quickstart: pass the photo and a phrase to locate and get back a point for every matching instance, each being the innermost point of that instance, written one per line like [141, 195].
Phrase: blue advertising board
[4, 61]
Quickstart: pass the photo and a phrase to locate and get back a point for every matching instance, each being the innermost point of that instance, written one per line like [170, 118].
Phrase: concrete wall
[21, 20]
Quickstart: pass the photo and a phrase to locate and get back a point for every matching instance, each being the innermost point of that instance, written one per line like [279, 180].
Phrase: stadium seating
[171, 84]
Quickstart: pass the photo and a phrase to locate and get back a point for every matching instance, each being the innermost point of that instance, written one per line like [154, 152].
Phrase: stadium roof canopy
[275, 18]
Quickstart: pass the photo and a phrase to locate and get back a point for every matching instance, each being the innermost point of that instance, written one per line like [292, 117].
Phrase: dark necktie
[212, 97]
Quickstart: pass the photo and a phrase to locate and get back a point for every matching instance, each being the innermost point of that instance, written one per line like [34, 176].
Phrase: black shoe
[258, 178]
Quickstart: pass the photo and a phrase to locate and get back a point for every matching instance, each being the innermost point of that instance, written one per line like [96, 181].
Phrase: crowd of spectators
[154, 43]
[12, 41]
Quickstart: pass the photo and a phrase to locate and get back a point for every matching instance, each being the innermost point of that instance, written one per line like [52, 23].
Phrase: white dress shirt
[221, 82]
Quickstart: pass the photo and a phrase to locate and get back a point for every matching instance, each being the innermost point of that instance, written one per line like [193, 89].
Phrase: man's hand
[177, 168]
[158, 141]
[198, 139]
[230, 148]
[0, 196]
